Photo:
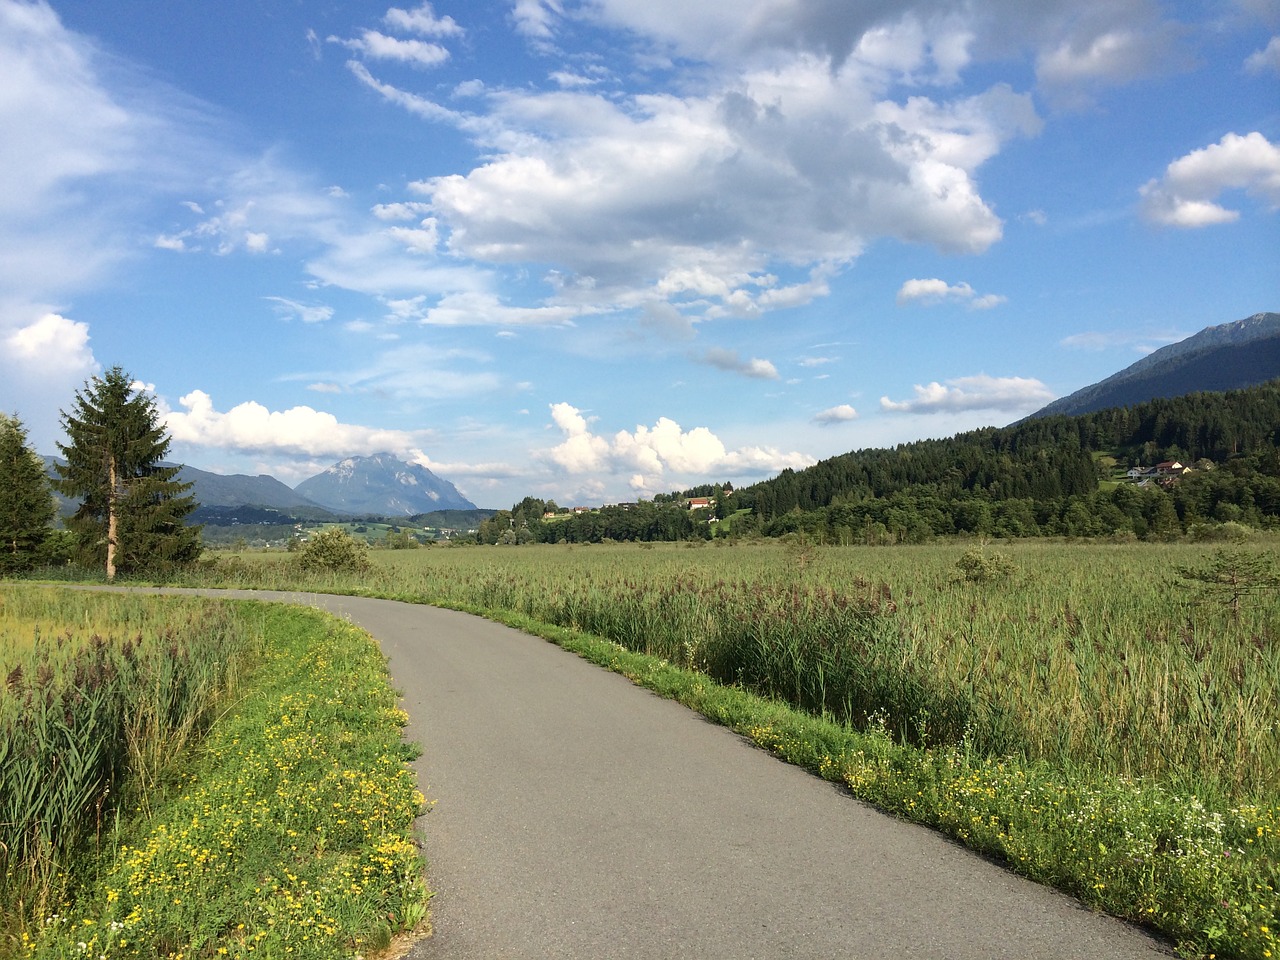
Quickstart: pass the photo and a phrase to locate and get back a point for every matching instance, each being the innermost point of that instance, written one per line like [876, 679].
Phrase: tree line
[132, 509]
[646, 521]
[1041, 460]
[1049, 476]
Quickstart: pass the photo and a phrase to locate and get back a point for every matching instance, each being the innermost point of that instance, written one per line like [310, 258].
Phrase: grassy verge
[287, 832]
[1204, 878]
[98, 693]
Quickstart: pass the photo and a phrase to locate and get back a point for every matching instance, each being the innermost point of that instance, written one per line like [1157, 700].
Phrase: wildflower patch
[289, 835]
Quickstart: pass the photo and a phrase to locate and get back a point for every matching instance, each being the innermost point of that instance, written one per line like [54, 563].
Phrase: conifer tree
[27, 507]
[132, 508]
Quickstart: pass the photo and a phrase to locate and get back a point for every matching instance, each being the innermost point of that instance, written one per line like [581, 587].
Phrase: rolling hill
[236, 490]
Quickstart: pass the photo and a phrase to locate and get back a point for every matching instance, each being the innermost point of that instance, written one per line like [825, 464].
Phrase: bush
[1229, 532]
[977, 566]
[334, 549]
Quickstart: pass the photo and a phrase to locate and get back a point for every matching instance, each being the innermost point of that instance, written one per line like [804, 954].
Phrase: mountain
[382, 486]
[1227, 357]
[215, 493]
[216, 490]
[379, 485]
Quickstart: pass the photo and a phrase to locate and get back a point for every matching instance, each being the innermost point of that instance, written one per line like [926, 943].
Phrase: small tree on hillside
[132, 508]
[27, 507]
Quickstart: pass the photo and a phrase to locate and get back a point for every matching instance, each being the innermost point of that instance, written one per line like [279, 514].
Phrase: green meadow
[191, 778]
[1102, 717]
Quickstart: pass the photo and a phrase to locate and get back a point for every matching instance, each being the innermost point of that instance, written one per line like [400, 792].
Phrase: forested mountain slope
[1028, 478]
[1053, 476]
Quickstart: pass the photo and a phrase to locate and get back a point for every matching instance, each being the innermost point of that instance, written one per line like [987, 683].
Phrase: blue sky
[596, 249]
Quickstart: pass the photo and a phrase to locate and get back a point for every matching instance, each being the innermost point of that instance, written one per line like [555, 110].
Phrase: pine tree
[27, 507]
[132, 508]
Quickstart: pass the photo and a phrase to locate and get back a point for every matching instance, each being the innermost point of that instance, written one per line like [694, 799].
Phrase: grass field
[193, 778]
[1082, 653]
[1098, 718]
[1103, 717]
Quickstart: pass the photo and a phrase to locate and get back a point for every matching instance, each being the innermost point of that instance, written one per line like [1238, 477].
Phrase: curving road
[579, 816]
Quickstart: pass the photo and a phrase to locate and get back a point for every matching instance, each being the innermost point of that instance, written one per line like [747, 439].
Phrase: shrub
[977, 566]
[1231, 532]
[1230, 576]
[334, 549]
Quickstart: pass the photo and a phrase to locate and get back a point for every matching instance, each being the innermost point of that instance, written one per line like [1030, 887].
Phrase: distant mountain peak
[383, 485]
[1229, 356]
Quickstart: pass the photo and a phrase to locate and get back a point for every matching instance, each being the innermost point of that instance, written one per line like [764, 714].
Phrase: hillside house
[1171, 468]
[701, 503]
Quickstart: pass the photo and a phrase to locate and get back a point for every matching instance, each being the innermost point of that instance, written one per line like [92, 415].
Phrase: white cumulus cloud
[379, 46]
[477, 308]
[1266, 59]
[423, 21]
[842, 413]
[536, 18]
[933, 291]
[981, 392]
[299, 431]
[1187, 194]
[708, 199]
[44, 358]
[652, 454]
[730, 362]
[581, 451]
[1113, 56]
[52, 346]
[401, 211]
[423, 239]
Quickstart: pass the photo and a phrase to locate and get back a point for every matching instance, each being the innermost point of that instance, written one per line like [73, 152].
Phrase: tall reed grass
[1084, 654]
[285, 833]
[1084, 711]
[98, 692]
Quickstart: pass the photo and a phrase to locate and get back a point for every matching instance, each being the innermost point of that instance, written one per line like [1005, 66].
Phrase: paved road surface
[578, 816]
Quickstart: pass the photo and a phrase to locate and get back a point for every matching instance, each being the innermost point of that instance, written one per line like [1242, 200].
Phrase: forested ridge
[1043, 458]
[1050, 476]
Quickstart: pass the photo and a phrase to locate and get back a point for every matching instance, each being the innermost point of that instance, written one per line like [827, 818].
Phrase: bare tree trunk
[111, 522]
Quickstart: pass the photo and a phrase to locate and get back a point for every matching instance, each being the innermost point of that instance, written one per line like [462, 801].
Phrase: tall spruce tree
[27, 507]
[131, 507]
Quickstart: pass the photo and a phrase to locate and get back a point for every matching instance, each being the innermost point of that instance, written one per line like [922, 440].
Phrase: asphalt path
[579, 816]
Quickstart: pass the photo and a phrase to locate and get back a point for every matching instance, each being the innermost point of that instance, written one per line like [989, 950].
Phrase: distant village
[1162, 474]
[689, 503]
